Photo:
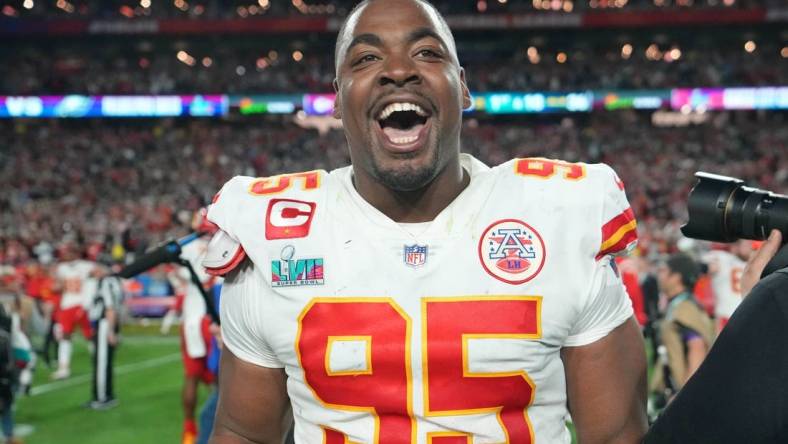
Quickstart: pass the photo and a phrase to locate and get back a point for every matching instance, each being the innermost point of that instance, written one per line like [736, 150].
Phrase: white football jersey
[725, 282]
[79, 287]
[445, 334]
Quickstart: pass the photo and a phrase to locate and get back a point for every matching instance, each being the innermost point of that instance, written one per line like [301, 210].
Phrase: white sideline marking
[121, 370]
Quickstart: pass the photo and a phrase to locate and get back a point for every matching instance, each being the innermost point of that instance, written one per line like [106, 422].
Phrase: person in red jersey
[77, 280]
[195, 325]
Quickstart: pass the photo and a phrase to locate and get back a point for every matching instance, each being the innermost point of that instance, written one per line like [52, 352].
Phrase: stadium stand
[137, 183]
[119, 186]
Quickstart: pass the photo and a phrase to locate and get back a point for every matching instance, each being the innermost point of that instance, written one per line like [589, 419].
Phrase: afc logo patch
[288, 219]
[512, 251]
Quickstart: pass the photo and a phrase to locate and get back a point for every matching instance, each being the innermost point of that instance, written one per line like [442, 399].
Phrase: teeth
[401, 106]
[404, 140]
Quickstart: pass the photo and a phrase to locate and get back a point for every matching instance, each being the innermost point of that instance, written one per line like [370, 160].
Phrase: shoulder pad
[223, 255]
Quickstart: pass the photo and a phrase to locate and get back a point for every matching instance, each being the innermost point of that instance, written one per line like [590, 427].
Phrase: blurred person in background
[686, 331]
[739, 394]
[16, 361]
[77, 280]
[195, 324]
[40, 287]
[725, 266]
[105, 319]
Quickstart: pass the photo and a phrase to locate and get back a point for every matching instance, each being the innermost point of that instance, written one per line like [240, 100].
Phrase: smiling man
[419, 296]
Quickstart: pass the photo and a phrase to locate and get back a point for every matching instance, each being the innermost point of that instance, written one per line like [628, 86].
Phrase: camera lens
[722, 209]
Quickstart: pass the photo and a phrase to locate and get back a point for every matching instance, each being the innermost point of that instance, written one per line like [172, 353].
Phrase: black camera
[724, 209]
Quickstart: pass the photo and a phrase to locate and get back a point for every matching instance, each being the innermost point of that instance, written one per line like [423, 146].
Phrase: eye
[429, 53]
[364, 59]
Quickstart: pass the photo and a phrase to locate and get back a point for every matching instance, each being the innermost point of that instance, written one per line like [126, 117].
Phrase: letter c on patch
[288, 219]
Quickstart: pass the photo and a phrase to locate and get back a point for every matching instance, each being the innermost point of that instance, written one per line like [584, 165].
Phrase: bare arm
[696, 353]
[606, 386]
[111, 317]
[253, 404]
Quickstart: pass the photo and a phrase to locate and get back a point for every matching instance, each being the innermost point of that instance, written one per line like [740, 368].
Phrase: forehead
[392, 18]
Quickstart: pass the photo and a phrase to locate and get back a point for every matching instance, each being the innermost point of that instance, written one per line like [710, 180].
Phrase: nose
[399, 70]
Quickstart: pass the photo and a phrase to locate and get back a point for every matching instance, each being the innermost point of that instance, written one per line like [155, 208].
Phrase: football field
[148, 377]
[148, 374]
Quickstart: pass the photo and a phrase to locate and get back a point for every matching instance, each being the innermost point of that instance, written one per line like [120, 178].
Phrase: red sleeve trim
[618, 233]
[613, 225]
[238, 257]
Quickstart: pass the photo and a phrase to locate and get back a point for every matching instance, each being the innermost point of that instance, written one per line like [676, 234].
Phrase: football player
[195, 334]
[725, 268]
[420, 296]
[76, 278]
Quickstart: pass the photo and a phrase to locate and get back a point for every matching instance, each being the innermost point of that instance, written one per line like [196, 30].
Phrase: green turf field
[148, 376]
[148, 381]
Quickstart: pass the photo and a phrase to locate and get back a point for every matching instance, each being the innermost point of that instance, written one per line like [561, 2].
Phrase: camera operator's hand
[756, 264]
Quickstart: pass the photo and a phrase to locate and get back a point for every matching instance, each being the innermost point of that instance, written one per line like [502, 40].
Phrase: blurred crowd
[234, 9]
[119, 187]
[547, 62]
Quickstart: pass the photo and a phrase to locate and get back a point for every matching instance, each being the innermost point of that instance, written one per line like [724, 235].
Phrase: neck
[675, 292]
[421, 205]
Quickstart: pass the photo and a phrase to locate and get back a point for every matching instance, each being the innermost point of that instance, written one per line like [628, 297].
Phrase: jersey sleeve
[607, 307]
[619, 227]
[224, 252]
[242, 317]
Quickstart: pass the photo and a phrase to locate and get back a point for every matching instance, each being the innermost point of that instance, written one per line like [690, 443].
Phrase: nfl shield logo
[415, 255]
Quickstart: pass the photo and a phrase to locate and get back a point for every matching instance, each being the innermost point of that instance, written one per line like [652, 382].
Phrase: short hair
[343, 28]
[686, 267]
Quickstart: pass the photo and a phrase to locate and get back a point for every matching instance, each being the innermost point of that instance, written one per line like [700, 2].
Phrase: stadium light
[28, 4]
[626, 51]
[145, 3]
[750, 46]
[185, 58]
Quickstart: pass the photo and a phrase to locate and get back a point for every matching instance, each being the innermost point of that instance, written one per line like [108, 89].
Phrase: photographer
[739, 393]
[686, 332]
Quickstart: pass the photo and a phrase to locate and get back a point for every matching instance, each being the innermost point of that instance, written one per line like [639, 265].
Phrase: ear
[337, 113]
[466, 95]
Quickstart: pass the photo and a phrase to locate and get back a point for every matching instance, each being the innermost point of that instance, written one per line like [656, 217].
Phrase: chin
[406, 179]
[408, 171]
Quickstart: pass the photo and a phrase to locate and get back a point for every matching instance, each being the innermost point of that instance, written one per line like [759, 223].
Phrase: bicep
[696, 352]
[606, 386]
[253, 404]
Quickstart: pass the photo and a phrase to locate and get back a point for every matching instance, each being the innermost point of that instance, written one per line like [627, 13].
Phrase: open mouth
[403, 125]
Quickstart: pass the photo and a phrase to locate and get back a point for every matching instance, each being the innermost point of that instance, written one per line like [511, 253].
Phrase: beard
[407, 177]
[410, 174]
